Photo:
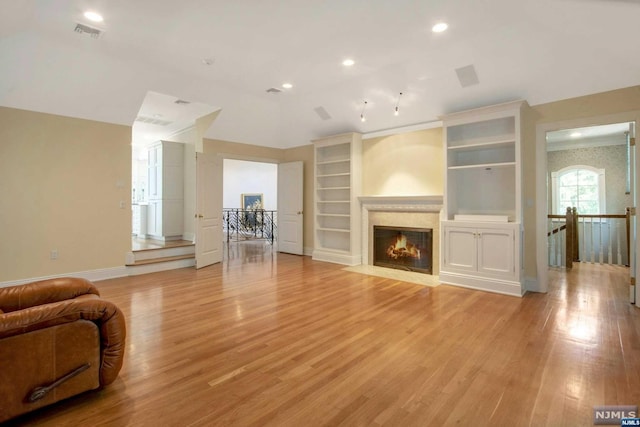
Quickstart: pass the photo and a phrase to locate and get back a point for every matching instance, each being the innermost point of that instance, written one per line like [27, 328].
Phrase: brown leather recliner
[58, 338]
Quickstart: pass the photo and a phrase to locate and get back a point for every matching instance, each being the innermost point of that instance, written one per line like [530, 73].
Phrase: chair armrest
[105, 314]
[44, 292]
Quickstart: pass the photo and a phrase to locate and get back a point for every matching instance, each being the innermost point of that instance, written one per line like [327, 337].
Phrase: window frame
[555, 182]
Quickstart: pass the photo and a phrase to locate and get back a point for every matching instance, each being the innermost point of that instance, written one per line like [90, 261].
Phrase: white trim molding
[92, 275]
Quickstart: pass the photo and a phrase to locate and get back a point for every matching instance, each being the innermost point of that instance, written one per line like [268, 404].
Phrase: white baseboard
[191, 237]
[109, 273]
[499, 286]
[336, 257]
[93, 275]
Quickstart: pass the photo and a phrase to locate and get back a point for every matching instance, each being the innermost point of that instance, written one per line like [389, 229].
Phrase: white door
[290, 216]
[496, 252]
[460, 249]
[208, 209]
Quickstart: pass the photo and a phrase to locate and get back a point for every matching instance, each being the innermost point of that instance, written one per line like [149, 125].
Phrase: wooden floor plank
[276, 339]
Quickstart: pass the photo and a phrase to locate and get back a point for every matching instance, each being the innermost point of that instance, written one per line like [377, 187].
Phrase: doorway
[250, 207]
[588, 168]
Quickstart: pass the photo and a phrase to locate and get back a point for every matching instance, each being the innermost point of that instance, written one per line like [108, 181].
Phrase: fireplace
[404, 248]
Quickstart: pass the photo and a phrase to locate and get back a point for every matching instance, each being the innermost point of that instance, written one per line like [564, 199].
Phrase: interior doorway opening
[250, 203]
[590, 178]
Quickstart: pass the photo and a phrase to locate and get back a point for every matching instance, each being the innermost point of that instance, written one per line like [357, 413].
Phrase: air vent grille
[322, 113]
[85, 29]
[181, 102]
[467, 76]
[152, 121]
[273, 90]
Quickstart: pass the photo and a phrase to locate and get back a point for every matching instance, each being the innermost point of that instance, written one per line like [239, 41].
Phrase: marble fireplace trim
[407, 204]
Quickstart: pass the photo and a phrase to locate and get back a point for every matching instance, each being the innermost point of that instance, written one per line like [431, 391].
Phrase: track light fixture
[362, 117]
[397, 112]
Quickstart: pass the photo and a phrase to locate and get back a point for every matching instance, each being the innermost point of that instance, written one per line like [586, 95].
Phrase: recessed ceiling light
[93, 16]
[439, 27]
[287, 85]
[348, 62]
[575, 134]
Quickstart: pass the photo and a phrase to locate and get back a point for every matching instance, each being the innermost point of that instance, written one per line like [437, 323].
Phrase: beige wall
[242, 151]
[406, 164]
[61, 183]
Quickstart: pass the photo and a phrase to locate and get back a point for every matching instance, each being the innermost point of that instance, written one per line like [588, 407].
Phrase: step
[149, 254]
[160, 265]
[161, 259]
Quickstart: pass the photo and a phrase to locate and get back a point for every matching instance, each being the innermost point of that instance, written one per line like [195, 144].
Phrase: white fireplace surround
[411, 204]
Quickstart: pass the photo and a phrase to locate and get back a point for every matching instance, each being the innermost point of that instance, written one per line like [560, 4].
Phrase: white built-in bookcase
[482, 218]
[337, 180]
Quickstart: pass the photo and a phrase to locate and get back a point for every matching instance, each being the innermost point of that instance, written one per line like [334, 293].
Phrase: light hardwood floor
[275, 339]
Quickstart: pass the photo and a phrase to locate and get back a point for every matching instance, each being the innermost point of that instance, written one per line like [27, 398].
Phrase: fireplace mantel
[399, 204]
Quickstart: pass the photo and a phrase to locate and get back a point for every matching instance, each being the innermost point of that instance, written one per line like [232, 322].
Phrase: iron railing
[244, 224]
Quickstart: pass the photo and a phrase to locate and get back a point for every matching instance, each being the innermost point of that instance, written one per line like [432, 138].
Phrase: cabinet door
[460, 248]
[496, 252]
[155, 173]
[154, 218]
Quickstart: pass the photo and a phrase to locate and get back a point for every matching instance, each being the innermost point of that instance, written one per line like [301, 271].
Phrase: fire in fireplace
[403, 248]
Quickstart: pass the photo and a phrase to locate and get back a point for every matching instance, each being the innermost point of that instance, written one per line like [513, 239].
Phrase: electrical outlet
[122, 204]
[54, 254]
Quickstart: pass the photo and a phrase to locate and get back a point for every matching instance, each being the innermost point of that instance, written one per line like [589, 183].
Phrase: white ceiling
[591, 136]
[541, 51]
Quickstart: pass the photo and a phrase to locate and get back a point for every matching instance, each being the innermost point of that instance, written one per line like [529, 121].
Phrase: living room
[289, 339]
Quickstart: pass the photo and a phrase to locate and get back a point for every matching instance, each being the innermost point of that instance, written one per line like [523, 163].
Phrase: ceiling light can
[93, 16]
[439, 27]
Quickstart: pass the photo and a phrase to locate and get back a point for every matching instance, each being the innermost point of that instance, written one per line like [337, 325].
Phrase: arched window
[580, 186]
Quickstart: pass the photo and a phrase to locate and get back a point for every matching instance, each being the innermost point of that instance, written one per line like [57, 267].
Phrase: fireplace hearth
[403, 248]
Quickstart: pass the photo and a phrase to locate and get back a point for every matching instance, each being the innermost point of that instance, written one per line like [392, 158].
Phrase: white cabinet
[166, 191]
[337, 180]
[482, 218]
[487, 251]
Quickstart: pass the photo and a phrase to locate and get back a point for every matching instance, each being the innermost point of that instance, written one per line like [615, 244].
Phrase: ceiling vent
[322, 113]
[152, 121]
[273, 90]
[467, 76]
[85, 29]
[181, 102]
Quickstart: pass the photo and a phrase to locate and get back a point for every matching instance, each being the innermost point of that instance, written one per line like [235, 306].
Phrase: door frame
[246, 158]
[541, 283]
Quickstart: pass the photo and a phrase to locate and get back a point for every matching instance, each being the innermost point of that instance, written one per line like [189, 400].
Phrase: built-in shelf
[337, 182]
[474, 145]
[333, 175]
[333, 162]
[335, 230]
[483, 182]
[484, 166]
